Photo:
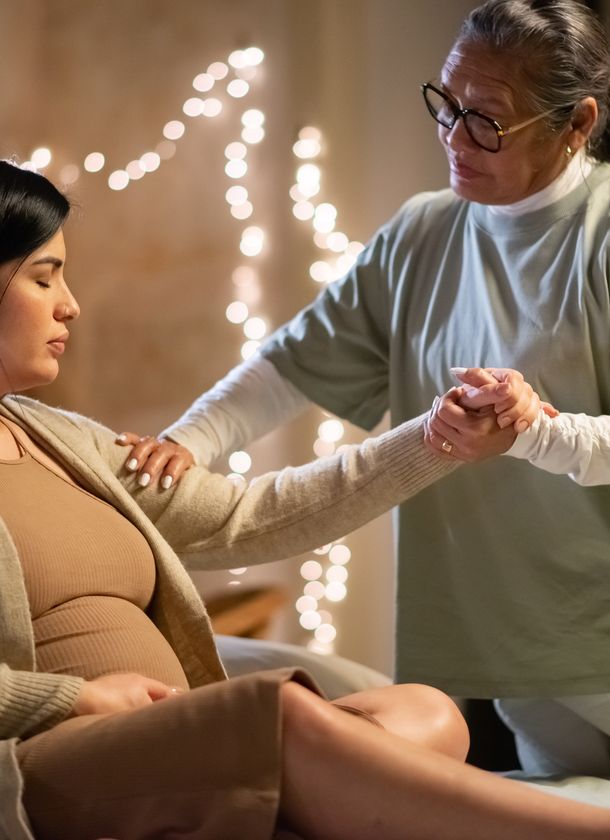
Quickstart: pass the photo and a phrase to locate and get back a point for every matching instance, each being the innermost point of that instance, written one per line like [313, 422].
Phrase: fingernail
[144, 480]
[504, 422]
[458, 371]
[521, 425]
[121, 437]
[167, 482]
[175, 690]
[132, 464]
[503, 388]
[435, 400]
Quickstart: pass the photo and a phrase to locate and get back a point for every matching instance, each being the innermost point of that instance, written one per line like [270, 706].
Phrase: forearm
[573, 444]
[282, 514]
[31, 702]
[252, 400]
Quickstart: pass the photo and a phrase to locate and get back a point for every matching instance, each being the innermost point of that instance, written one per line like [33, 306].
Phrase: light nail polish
[167, 482]
[144, 480]
[132, 464]
[457, 371]
[122, 438]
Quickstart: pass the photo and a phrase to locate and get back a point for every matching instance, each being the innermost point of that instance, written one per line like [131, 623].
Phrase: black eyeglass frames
[484, 131]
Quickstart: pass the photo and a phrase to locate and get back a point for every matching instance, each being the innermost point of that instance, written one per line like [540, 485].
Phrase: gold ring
[447, 447]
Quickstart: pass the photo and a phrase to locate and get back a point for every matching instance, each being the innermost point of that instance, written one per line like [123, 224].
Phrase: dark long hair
[32, 210]
[562, 48]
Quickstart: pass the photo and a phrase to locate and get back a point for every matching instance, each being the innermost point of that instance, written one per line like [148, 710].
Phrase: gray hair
[565, 55]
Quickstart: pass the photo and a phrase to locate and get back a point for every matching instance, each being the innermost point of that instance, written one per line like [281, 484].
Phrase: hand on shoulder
[156, 459]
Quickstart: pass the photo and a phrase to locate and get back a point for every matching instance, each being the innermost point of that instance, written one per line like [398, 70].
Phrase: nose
[457, 137]
[68, 309]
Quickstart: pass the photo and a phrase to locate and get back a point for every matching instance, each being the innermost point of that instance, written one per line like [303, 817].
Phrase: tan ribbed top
[89, 580]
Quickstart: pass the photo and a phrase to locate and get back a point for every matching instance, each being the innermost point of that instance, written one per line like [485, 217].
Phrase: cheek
[19, 324]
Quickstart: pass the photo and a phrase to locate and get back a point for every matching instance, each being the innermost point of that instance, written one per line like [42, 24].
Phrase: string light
[245, 277]
[218, 70]
[253, 121]
[240, 462]
[255, 328]
[193, 107]
[212, 107]
[69, 174]
[174, 129]
[236, 195]
[249, 348]
[242, 211]
[118, 179]
[328, 585]
[236, 151]
[41, 157]
[252, 241]
[135, 170]
[204, 82]
[166, 149]
[237, 312]
[236, 168]
[238, 88]
[244, 67]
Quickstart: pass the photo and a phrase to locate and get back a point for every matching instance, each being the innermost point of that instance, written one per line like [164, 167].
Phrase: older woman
[115, 715]
[508, 267]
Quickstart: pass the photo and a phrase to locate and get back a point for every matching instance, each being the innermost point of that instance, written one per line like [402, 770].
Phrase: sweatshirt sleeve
[281, 514]
[252, 400]
[572, 444]
[32, 702]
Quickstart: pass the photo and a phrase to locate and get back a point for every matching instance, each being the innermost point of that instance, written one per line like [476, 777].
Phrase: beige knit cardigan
[211, 523]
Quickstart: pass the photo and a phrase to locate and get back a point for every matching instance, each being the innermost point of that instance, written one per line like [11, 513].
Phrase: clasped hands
[483, 418]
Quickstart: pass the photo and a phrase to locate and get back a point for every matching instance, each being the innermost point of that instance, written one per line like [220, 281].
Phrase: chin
[470, 193]
[38, 379]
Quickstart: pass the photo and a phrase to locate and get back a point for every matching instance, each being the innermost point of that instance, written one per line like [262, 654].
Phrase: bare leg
[421, 714]
[343, 778]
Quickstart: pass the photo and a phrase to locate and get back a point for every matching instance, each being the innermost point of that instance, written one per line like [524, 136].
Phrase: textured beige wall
[151, 265]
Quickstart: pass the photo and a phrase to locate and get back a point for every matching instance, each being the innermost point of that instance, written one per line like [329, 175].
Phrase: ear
[582, 123]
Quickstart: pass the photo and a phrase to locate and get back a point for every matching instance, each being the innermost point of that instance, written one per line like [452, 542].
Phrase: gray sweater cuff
[411, 465]
[33, 702]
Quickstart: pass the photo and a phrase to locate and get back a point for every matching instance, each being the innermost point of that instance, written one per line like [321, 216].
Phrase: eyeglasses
[484, 131]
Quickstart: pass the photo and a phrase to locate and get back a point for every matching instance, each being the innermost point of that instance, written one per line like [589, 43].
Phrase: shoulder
[49, 422]
[432, 202]
[599, 190]
[423, 213]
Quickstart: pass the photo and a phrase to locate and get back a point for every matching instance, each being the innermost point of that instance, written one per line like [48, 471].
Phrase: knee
[425, 715]
[448, 729]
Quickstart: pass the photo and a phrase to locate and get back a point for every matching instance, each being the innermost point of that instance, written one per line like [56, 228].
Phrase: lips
[58, 345]
[462, 170]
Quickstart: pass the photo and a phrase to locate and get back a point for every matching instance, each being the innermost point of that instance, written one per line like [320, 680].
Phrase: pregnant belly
[96, 635]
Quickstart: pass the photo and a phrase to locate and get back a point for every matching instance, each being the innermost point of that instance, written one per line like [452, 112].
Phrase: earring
[569, 151]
